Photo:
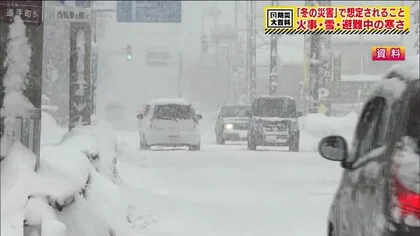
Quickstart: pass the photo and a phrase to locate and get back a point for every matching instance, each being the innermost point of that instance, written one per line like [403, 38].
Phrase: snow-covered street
[228, 190]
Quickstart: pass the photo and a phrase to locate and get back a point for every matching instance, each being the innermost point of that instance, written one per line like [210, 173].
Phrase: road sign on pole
[72, 15]
[149, 11]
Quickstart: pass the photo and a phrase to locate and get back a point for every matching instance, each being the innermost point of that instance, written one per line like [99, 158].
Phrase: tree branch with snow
[17, 67]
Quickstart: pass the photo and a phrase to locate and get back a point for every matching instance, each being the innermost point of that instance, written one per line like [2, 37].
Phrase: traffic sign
[29, 11]
[149, 11]
[72, 15]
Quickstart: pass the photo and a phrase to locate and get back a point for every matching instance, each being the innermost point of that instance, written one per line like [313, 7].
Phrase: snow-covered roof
[360, 77]
[165, 101]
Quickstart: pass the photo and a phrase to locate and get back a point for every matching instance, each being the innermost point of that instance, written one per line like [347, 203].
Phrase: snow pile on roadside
[100, 144]
[314, 127]
[74, 191]
[51, 132]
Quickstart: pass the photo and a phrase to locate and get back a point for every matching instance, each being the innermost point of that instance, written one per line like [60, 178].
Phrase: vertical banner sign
[80, 102]
[30, 11]
[314, 66]
[336, 72]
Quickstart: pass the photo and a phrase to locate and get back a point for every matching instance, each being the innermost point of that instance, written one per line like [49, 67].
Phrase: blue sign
[77, 3]
[149, 11]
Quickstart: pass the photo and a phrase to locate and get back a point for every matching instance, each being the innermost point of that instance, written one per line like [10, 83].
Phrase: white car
[169, 122]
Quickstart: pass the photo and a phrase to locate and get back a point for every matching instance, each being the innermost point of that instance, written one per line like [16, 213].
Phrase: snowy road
[228, 191]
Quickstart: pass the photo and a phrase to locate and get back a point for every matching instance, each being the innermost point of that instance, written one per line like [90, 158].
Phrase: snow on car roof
[236, 105]
[392, 86]
[164, 101]
[409, 69]
[274, 97]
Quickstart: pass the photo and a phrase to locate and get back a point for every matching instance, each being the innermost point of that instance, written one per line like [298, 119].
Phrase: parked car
[232, 123]
[273, 122]
[379, 192]
[169, 122]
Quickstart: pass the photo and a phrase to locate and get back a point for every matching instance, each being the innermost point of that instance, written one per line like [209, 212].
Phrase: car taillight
[406, 188]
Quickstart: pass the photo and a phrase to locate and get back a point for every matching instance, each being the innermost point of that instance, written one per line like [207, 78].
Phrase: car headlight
[228, 126]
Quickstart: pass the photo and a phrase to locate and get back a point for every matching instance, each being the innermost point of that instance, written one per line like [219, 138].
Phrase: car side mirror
[199, 116]
[333, 148]
[299, 114]
[140, 116]
[249, 114]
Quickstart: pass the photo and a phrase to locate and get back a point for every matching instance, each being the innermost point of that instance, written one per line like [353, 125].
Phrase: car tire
[251, 145]
[294, 146]
[143, 143]
[331, 231]
[220, 140]
[195, 147]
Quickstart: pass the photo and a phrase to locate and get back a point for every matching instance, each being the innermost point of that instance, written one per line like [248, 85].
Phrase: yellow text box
[338, 18]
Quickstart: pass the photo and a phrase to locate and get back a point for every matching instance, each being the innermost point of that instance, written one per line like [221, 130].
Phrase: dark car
[273, 122]
[379, 192]
[232, 123]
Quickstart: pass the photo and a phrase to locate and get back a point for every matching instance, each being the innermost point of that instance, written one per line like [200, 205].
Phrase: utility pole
[95, 22]
[180, 68]
[251, 51]
[273, 80]
[215, 29]
[235, 68]
[314, 64]
[319, 74]
[94, 58]
[416, 23]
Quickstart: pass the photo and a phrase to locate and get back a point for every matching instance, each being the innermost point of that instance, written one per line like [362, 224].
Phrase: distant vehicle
[232, 123]
[273, 122]
[379, 192]
[169, 122]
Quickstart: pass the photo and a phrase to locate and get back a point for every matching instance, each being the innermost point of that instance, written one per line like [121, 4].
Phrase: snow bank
[51, 132]
[314, 127]
[71, 192]
[99, 143]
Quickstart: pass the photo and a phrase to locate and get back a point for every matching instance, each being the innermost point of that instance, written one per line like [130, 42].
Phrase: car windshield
[234, 111]
[274, 107]
[174, 111]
